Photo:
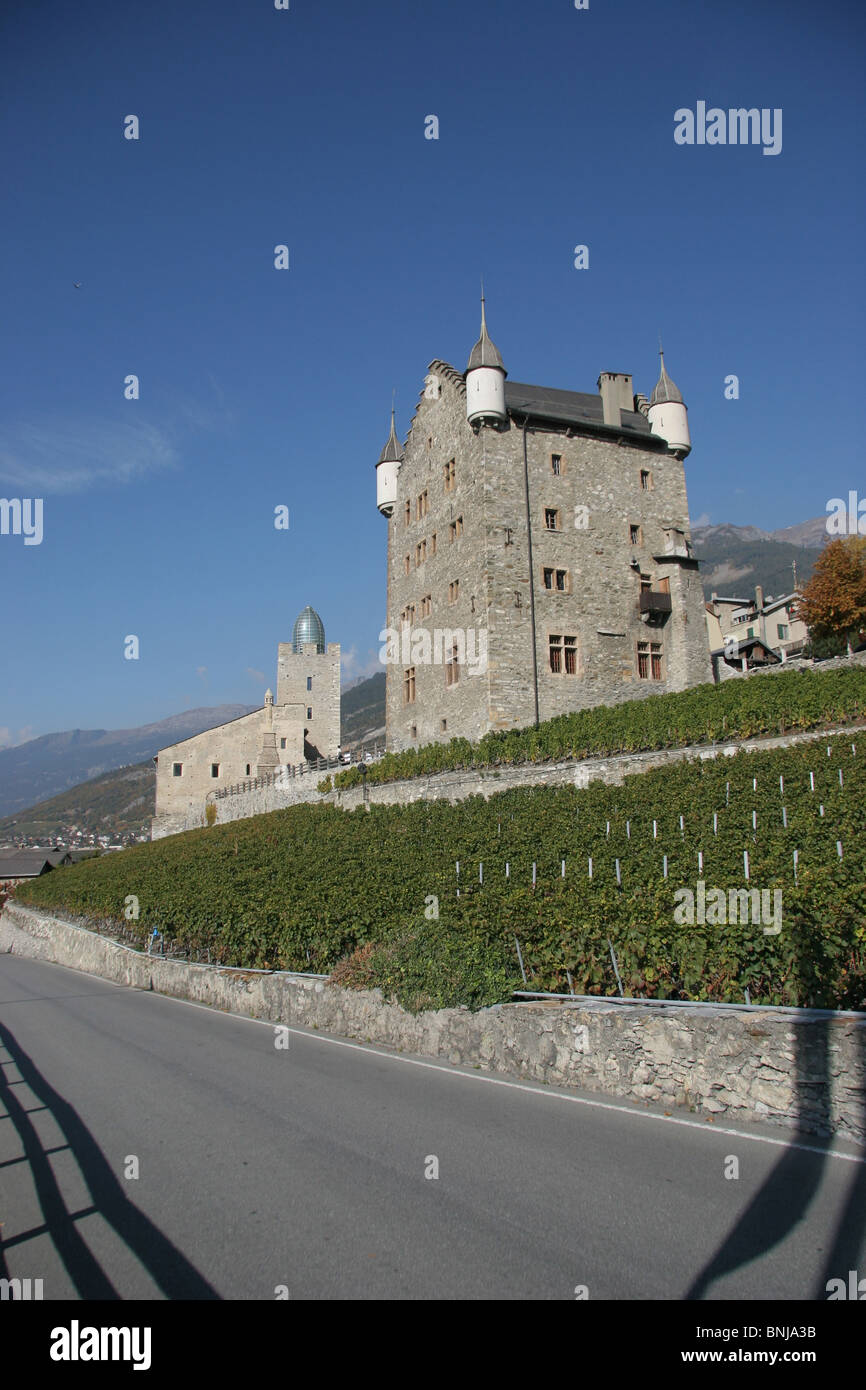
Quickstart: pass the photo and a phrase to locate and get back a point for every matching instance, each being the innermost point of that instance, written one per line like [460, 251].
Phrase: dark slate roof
[665, 390]
[392, 452]
[570, 408]
[485, 353]
[24, 863]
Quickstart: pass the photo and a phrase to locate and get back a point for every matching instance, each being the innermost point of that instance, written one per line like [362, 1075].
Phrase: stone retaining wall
[455, 786]
[799, 1068]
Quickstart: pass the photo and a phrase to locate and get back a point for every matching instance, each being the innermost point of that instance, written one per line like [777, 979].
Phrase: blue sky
[262, 387]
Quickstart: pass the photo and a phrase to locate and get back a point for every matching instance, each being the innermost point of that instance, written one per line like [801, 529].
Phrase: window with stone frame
[556, 465]
[551, 519]
[177, 769]
[634, 534]
[649, 661]
[420, 553]
[214, 769]
[454, 591]
[555, 643]
[421, 506]
[450, 475]
[452, 667]
[433, 544]
[456, 528]
[409, 686]
[555, 580]
[570, 653]
[426, 605]
[408, 513]
[407, 564]
[646, 480]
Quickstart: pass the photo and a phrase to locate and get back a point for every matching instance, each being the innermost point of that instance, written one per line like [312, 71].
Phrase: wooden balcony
[655, 605]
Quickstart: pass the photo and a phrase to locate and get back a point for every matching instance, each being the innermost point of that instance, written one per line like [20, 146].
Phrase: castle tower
[308, 676]
[269, 758]
[386, 472]
[485, 381]
[668, 416]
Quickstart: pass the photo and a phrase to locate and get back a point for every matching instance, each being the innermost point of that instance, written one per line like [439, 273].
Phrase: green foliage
[705, 714]
[210, 813]
[316, 888]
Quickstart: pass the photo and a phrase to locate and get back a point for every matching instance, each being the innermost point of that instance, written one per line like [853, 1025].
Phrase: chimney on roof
[759, 597]
[616, 394]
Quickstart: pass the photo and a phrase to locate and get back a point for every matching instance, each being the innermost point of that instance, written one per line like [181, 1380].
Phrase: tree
[833, 603]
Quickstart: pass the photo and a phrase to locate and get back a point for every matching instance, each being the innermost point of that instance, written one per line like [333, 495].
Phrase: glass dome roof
[308, 628]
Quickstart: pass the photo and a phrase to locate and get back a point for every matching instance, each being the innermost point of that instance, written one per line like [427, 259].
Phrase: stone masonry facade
[548, 587]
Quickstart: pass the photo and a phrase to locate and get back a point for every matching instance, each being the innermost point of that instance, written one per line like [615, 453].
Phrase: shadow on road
[786, 1194]
[167, 1266]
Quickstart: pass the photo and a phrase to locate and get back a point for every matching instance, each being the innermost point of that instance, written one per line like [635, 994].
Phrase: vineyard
[545, 888]
[775, 704]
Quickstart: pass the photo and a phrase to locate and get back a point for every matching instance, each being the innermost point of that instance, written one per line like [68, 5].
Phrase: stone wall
[797, 1068]
[455, 786]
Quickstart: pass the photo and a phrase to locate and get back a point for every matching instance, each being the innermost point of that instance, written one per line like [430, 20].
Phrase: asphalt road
[304, 1169]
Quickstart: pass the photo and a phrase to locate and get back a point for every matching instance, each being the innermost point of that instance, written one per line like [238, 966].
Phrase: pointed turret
[668, 415]
[485, 380]
[386, 471]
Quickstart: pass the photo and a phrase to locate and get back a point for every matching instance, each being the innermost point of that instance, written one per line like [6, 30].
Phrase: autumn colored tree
[833, 603]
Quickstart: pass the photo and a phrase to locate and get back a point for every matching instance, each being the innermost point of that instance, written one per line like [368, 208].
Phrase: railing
[655, 603]
[282, 774]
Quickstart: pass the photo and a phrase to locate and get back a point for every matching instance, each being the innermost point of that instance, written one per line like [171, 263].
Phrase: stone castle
[539, 561]
[302, 723]
[539, 552]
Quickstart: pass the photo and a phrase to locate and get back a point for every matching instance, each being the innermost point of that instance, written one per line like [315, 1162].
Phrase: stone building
[303, 723]
[539, 552]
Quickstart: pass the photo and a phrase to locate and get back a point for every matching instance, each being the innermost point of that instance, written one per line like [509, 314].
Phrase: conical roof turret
[485, 353]
[666, 392]
[392, 452]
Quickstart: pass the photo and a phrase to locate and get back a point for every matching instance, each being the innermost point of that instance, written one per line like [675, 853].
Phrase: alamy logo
[846, 521]
[737, 126]
[22, 516]
[76, 1343]
[418, 646]
[715, 908]
[20, 1290]
[856, 1288]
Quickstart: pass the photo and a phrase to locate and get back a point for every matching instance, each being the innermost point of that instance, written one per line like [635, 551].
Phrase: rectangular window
[214, 769]
[548, 578]
[426, 605]
[646, 584]
[450, 476]
[555, 653]
[409, 686]
[452, 669]
[634, 535]
[453, 590]
[570, 648]
[649, 660]
[420, 553]
[248, 770]
[551, 519]
[433, 544]
[443, 725]
[556, 464]
[646, 480]
[309, 682]
[560, 578]
[406, 565]
[456, 529]
[782, 631]
[408, 513]
[177, 769]
[750, 632]
[421, 507]
[282, 743]
[309, 711]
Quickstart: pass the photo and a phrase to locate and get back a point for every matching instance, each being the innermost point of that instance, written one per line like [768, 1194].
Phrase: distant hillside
[117, 804]
[736, 558]
[46, 766]
[362, 712]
